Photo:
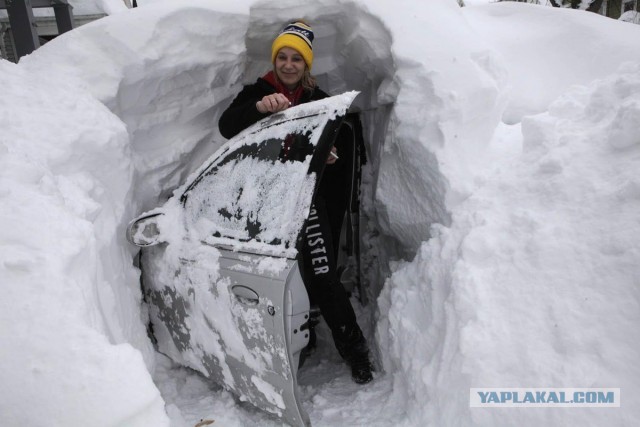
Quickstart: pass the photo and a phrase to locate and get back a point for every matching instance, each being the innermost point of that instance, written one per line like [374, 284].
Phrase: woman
[290, 83]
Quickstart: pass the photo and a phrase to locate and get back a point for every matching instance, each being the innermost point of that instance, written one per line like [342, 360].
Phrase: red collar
[293, 96]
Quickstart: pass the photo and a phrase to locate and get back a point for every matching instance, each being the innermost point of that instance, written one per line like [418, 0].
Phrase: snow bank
[447, 89]
[536, 282]
[75, 172]
[631, 16]
[105, 121]
[161, 70]
[70, 302]
[546, 49]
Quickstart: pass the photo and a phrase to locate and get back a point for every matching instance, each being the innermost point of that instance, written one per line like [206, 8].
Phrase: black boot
[353, 348]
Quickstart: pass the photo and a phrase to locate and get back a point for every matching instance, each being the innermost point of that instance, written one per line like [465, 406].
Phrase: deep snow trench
[351, 52]
[170, 78]
[492, 252]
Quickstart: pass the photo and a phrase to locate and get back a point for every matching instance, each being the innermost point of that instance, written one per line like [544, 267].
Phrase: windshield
[258, 190]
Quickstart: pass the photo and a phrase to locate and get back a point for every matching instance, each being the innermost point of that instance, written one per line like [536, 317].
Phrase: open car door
[219, 267]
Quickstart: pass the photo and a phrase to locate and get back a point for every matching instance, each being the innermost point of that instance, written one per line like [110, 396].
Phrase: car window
[257, 192]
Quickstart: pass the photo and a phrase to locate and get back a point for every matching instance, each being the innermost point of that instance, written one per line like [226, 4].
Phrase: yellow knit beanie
[296, 35]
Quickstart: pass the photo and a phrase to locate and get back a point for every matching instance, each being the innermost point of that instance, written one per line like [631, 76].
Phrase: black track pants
[320, 277]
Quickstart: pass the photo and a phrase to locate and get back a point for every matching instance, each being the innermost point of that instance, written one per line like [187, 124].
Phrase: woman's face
[290, 67]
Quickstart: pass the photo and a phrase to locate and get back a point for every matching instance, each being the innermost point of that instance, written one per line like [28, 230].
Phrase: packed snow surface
[550, 49]
[500, 207]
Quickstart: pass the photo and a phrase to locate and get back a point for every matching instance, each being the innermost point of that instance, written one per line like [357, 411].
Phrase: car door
[225, 292]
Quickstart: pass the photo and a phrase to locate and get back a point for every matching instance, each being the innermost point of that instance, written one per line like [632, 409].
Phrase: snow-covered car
[219, 261]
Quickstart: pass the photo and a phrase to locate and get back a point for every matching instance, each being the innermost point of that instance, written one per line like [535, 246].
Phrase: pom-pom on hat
[296, 35]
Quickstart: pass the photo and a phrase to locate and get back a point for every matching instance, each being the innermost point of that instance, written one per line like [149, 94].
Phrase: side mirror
[144, 231]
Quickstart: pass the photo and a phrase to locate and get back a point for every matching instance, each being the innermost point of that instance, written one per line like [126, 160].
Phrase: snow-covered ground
[501, 203]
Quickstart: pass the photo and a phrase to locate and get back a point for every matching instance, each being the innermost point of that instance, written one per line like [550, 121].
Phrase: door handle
[245, 295]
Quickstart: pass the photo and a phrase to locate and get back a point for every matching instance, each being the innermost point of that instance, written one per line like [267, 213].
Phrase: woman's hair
[308, 81]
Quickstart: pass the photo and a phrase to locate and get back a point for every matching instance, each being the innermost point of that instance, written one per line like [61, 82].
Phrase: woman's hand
[273, 103]
[333, 156]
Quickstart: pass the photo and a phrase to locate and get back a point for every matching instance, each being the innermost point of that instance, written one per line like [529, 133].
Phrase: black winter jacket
[242, 112]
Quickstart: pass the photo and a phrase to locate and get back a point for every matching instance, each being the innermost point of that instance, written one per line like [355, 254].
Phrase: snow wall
[140, 93]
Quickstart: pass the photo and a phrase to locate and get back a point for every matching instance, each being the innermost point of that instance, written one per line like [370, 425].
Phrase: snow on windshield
[257, 194]
[252, 199]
